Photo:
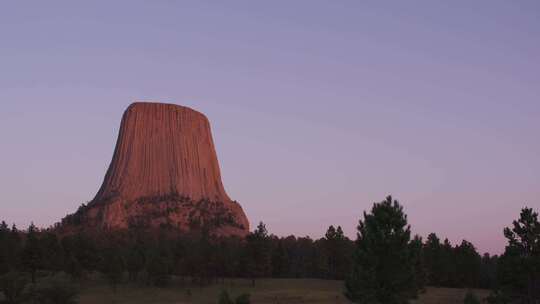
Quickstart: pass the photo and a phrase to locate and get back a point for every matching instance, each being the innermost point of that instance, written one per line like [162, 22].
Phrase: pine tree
[4, 248]
[488, 271]
[73, 267]
[343, 255]
[280, 260]
[468, 263]
[258, 253]
[206, 265]
[135, 261]
[113, 266]
[335, 253]
[83, 249]
[32, 252]
[519, 267]
[330, 248]
[433, 259]
[53, 255]
[448, 276]
[417, 257]
[382, 267]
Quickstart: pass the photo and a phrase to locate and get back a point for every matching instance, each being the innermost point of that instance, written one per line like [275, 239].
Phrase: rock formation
[164, 172]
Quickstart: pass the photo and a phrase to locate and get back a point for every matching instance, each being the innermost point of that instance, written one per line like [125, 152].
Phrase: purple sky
[318, 108]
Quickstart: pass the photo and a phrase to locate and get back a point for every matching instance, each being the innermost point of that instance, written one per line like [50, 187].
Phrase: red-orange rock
[164, 172]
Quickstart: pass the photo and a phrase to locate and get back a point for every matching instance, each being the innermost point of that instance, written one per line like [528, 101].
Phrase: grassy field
[266, 291]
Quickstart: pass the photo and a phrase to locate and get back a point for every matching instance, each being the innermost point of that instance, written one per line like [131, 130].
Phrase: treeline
[155, 256]
[458, 266]
[384, 254]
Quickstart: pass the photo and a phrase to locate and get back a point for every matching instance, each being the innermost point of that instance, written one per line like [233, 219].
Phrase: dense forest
[154, 257]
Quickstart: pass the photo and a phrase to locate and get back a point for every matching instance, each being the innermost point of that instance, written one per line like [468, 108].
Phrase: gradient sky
[318, 108]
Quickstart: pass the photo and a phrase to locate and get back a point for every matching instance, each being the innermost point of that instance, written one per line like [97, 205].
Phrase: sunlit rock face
[164, 172]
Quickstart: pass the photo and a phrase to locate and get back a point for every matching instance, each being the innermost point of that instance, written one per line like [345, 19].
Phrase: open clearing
[266, 291]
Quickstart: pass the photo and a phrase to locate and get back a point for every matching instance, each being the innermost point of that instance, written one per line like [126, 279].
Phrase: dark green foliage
[113, 266]
[10, 247]
[204, 258]
[488, 271]
[304, 258]
[470, 298]
[449, 264]
[13, 285]
[244, 298]
[83, 248]
[77, 217]
[32, 254]
[468, 264]
[459, 266]
[58, 289]
[201, 259]
[417, 260]
[382, 268]
[226, 258]
[336, 253]
[518, 270]
[280, 258]
[135, 261]
[73, 267]
[52, 252]
[224, 298]
[434, 260]
[4, 237]
[258, 253]
[498, 297]
[158, 269]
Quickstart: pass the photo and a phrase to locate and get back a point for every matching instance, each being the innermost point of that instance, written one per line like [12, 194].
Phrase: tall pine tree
[417, 257]
[258, 253]
[433, 258]
[518, 271]
[31, 255]
[382, 268]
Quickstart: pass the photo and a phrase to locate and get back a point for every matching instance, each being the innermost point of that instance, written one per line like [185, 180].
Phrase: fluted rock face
[164, 172]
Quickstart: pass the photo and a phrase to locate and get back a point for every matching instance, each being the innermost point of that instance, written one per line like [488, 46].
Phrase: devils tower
[164, 172]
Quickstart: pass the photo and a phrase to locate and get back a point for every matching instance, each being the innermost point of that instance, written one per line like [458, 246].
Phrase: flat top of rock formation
[145, 106]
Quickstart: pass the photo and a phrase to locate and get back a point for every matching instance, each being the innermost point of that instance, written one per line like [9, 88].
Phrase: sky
[318, 108]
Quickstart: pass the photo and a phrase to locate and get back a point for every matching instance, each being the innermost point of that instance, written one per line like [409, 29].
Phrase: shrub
[73, 267]
[498, 297]
[162, 280]
[224, 298]
[243, 299]
[158, 271]
[471, 298]
[113, 266]
[57, 289]
[13, 285]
